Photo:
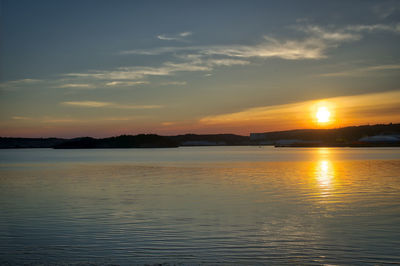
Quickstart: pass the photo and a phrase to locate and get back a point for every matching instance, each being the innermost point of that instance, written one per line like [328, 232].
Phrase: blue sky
[100, 68]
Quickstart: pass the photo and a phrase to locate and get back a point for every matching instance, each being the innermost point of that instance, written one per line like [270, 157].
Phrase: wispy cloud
[174, 37]
[312, 42]
[77, 86]
[87, 104]
[13, 84]
[174, 83]
[125, 83]
[25, 81]
[225, 62]
[122, 106]
[309, 48]
[20, 118]
[348, 33]
[78, 120]
[271, 47]
[395, 28]
[166, 69]
[361, 71]
[96, 104]
[122, 73]
[329, 35]
[185, 34]
[312, 46]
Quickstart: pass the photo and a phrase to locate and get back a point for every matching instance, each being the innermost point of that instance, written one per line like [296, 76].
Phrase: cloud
[312, 46]
[25, 81]
[309, 48]
[225, 62]
[121, 106]
[329, 35]
[77, 86]
[174, 37]
[14, 84]
[132, 73]
[273, 48]
[197, 58]
[313, 43]
[125, 83]
[395, 28]
[166, 69]
[175, 83]
[122, 73]
[158, 50]
[87, 104]
[361, 71]
[346, 34]
[186, 33]
[20, 118]
[95, 104]
[77, 120]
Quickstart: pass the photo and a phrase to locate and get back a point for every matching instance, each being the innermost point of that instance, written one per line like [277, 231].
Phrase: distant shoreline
[381, 135]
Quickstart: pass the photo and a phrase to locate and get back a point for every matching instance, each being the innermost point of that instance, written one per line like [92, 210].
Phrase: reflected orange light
[324, 174]
[323, 151]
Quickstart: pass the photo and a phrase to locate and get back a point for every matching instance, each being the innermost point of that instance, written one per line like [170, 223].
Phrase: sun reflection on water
[324, 172]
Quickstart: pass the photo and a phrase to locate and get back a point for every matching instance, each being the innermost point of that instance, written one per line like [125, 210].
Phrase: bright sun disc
[323, 115]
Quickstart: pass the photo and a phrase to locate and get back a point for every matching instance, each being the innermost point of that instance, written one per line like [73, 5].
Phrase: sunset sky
[104, 68]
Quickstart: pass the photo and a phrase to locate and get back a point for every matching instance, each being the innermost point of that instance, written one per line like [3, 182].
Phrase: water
[200, 205]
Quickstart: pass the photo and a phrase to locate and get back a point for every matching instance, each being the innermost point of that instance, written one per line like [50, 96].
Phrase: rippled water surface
[200, 205]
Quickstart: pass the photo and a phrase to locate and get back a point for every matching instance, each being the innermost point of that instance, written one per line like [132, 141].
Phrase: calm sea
[200, 205]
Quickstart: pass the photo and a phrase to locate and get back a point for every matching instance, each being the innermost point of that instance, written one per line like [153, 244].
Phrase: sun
[323, 115]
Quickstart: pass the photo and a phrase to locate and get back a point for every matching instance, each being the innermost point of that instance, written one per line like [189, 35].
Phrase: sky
[105, 68]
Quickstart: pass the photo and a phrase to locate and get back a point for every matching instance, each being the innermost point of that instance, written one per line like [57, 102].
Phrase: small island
[124, 141]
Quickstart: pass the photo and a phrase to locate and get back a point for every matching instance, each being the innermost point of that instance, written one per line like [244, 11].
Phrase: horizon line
[333, 128]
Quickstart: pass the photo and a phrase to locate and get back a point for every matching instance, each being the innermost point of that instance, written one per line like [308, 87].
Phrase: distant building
[381, 139]
[265, 139]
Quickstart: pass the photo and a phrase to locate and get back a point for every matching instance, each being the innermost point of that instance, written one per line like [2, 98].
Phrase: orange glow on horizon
[343, 111]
